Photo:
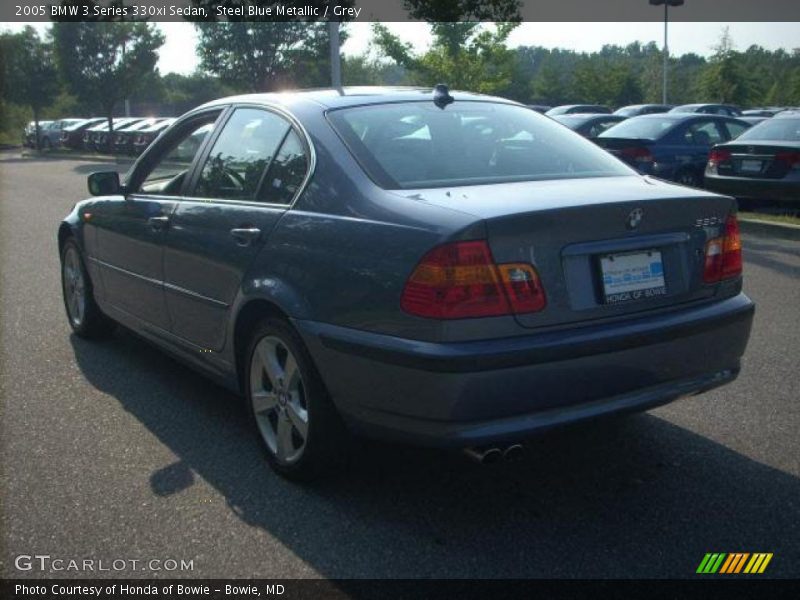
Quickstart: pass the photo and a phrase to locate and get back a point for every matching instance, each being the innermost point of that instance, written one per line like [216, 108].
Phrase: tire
[301, 432]
[689, 178]
[83, 314]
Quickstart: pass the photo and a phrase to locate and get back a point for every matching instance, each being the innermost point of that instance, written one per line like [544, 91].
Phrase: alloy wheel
[74, 286]
[278, 398]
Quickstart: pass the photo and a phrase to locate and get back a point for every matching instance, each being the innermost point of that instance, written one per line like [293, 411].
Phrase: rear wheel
[85, 317]
[301, 432]
[689, 177]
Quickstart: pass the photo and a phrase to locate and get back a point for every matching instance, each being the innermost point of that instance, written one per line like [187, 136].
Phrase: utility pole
[665, 67]
[336, 58]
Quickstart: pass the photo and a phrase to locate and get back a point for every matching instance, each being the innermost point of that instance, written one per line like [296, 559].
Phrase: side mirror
[105, 183]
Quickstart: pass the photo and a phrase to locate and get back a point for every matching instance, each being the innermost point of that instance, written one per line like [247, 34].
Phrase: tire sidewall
[322, 420]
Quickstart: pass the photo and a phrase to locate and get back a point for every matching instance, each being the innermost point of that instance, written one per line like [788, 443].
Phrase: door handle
[245, 235]
[158, 223]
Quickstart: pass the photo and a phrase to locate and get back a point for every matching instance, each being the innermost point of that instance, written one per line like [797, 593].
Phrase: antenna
[441, 96]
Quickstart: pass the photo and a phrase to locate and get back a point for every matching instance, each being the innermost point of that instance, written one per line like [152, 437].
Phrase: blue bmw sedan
[437, 268]
[672, 146]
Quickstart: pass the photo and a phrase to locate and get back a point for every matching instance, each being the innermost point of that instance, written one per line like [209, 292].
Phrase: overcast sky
[683, 37]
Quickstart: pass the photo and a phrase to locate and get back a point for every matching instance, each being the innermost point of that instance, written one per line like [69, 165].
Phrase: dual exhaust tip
[490, 455]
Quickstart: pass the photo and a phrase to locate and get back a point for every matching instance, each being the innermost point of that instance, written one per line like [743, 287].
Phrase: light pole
[336, 57]
[667, 4]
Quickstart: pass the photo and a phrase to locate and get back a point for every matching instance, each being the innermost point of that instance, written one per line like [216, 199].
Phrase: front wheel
[301, 431]
[85, 317]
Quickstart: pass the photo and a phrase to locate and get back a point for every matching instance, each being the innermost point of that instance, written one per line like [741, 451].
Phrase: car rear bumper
[471, 393]
[755, 189]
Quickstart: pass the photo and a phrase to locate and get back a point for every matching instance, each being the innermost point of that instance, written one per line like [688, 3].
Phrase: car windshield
[416, 144]
[640, 128]
[775, 129]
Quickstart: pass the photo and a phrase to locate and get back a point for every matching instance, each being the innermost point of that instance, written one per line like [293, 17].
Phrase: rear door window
[703, 133]
[239, 157]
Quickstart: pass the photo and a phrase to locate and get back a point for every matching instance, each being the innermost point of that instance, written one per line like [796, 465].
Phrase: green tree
[265, 56]
[465, 56]
[441, 11]
[724, 78]
[29, 73]
[104, 63]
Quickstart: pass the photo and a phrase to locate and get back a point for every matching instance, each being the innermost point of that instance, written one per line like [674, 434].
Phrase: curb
[766, 228]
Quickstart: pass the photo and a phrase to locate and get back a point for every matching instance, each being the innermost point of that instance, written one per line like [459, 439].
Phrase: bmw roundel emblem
[634, 218]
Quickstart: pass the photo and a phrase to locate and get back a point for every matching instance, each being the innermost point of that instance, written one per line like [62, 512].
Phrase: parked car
[29, 133]
[635, 110]
[445, 269]
[708, 109]
[146, 136]
[762, 112]
[124, 137]
[753, 120]
[540, 108]
[672, 146]
[761, 164]
[50, 134]
[72, 136]
[589, 126]
[569, 109]
[95, 138]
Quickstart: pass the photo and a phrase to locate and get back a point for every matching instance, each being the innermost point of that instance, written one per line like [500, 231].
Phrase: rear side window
[703, 133]
[416, 144]
[735, 129]
[236, 163]
[286, 173]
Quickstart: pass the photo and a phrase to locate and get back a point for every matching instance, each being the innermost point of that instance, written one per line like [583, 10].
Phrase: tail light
[638, 154]
[461, 280]
[719, 155]
[724, 254]
[792, 159]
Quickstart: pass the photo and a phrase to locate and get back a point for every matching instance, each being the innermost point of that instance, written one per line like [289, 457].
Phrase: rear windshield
[415, 144]
[775, 129]
[640, 128]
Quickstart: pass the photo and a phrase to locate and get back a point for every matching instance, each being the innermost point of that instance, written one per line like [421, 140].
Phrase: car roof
[349, 96]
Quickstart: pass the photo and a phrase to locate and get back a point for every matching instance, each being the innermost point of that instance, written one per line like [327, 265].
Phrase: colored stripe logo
[734, 563]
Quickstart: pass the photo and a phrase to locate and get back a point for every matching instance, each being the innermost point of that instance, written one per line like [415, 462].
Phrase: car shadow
[774, 255]
[632, 497]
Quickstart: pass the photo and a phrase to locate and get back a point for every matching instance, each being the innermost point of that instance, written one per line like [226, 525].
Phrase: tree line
[92, 68]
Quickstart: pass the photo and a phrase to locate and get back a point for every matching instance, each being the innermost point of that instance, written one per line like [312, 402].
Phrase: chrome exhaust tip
[484, 456]
[513, 452]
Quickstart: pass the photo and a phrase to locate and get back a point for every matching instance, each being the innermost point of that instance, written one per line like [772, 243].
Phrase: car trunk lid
[762, 160]
[573, 231]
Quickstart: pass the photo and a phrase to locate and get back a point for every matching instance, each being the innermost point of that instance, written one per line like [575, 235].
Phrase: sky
[583, 37]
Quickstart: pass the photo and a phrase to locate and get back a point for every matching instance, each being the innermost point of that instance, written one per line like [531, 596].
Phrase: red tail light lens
[792, 159]
[724, 254]
[461, 280]
[718, 155]
[637, 154]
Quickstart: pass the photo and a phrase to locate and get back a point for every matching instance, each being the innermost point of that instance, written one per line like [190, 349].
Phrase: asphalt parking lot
[112, 451]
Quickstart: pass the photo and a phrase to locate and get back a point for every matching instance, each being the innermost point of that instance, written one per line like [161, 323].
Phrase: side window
[170, 169]
[236, 163]
[600, 127]
[735, 129]
[286, 173]
[703, 133]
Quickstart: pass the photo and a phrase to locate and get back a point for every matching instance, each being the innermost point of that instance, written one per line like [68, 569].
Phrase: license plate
[632, 276]
[751, 166]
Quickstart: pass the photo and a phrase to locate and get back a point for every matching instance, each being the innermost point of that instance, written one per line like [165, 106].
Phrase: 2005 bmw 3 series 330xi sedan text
[435, 268]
